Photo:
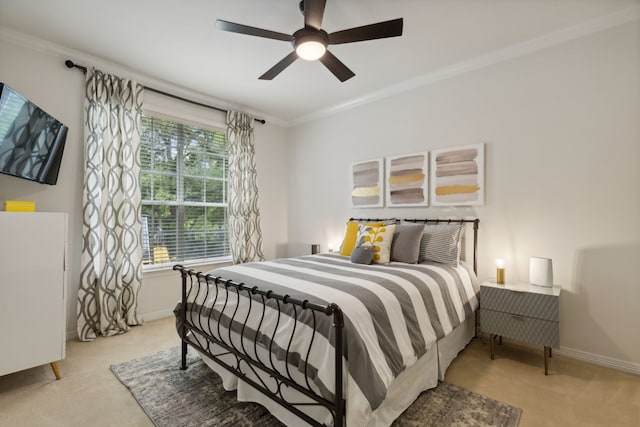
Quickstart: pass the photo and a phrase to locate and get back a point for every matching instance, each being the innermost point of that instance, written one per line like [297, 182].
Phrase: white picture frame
[407, 180]
[457, 176]
[367, 184]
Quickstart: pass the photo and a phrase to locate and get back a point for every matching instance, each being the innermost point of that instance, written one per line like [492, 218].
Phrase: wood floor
[574, 394]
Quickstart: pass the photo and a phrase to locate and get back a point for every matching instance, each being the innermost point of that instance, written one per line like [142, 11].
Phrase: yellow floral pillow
[350, 237]
[380, 237]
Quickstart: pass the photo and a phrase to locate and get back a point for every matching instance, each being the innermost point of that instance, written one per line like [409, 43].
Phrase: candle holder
[500, 272]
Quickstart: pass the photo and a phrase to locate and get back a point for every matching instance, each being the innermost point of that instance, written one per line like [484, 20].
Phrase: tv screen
[31, 141]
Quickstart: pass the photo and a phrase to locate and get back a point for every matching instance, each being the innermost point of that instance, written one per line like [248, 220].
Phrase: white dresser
[33, 280]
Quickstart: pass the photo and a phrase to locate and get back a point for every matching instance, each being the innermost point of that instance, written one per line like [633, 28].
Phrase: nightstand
[522, 312]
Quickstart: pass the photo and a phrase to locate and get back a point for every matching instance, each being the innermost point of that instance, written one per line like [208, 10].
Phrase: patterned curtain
[245, 236]
[111, 273]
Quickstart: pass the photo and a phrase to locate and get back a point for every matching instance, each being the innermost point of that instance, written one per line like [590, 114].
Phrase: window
[184, 192]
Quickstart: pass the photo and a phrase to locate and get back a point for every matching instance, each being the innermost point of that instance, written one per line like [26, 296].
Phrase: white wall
[562, 149]
[39, 74]
[562, 177]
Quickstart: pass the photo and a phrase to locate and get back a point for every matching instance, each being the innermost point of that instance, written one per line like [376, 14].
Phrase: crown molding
[621, 17]
[81, 58]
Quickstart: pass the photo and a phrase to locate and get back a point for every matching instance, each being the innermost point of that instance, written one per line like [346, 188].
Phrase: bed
[326, 341]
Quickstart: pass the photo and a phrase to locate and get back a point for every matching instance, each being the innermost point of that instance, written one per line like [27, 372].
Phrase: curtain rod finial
[70, 64]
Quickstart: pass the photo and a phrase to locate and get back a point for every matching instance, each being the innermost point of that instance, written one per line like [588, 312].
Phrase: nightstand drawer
[521, 328]
[536, 305]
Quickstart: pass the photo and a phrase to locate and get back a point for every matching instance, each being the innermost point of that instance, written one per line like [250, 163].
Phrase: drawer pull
[517, 316]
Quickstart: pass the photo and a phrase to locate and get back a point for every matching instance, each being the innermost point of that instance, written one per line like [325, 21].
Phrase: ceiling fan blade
[341, 71]
[381, 30]
[313, 12]
[279, 67]
[251, 31]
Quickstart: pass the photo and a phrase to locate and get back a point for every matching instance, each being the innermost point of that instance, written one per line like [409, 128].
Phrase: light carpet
[195, 397]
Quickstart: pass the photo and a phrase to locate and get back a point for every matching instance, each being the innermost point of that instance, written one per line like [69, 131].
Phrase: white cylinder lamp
[541, 271]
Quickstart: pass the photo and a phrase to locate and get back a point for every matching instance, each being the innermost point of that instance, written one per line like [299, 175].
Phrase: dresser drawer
[535, 305]
[521, 328]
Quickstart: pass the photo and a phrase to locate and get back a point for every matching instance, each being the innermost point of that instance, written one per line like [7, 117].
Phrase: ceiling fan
[311, 42]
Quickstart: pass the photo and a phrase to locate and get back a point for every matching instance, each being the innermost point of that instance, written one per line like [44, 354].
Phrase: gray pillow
[362, 255]
[441, 243]
[406, 243]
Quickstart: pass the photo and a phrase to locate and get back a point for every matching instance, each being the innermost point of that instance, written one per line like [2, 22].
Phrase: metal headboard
[475, 222]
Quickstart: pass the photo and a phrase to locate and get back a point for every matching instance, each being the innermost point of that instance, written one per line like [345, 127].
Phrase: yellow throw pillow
[380, 237]
[350, 236]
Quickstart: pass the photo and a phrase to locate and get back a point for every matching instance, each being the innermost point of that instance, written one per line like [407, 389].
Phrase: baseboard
[148, 317]
[72, 334]
[596, 359]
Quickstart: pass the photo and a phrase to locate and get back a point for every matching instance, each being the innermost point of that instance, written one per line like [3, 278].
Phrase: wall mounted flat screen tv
[31, 141]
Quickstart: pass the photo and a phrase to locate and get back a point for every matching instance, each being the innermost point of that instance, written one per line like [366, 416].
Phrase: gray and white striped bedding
[393, 313]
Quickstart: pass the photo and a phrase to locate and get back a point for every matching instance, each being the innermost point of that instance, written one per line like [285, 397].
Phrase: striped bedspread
[393, 313]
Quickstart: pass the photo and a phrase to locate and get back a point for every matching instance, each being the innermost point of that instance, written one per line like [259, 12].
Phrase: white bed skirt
[422, 375]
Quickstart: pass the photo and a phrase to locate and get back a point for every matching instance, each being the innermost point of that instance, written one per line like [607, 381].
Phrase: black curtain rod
[71, 64]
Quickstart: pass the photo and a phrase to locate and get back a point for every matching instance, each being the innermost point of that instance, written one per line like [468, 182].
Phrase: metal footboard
[271, 378]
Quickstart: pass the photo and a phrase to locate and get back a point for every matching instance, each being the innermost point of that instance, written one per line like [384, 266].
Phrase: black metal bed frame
[197, 286]
[194, 283]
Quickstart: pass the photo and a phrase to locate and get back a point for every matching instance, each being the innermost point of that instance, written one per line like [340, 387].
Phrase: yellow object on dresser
[19, 206]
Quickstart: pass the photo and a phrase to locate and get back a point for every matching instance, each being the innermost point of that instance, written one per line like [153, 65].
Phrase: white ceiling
[176, 41]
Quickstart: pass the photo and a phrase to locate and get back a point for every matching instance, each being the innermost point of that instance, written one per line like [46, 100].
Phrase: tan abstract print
[457, 176]
[407, 180]
[367, 184]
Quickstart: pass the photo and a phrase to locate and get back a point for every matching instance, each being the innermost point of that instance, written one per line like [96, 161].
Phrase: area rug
[195, 397]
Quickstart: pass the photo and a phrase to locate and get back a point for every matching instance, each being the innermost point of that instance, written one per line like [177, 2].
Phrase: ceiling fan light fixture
[310, 50]
[310, 42]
